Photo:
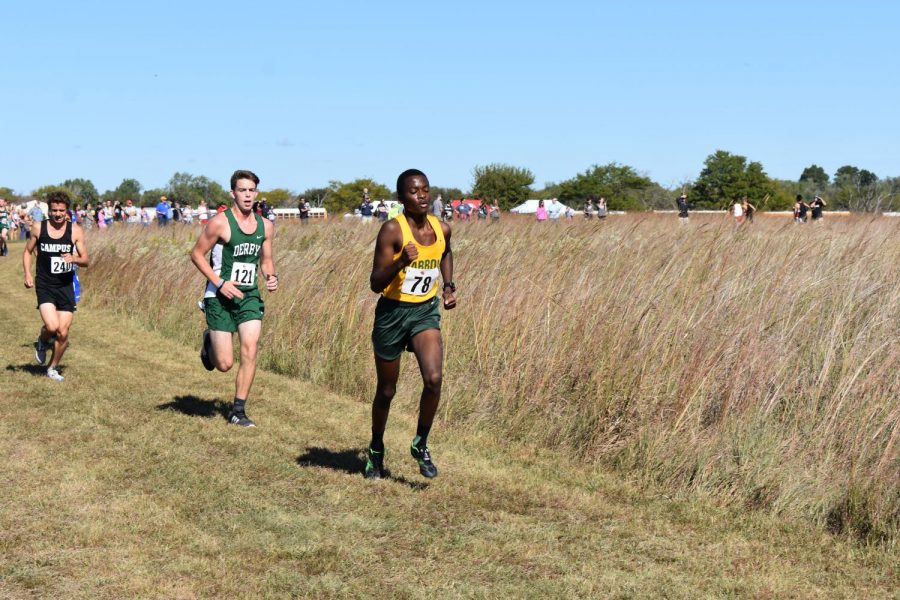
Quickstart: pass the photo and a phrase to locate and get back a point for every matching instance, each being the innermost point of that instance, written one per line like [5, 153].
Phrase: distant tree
[449, 193]
[621, 185]
[847, 175]
[7, 193]
[315, 196]
[82, 191]
[42, 192]
[509, 185]
[784, 194]
[550, 190]
[129, 189]
[279, 197]
[857, 189]
[187, 188]
[891, 186]
[727, 176]
[658, 197]
[151, 197]
[344, 197]
[816, 175]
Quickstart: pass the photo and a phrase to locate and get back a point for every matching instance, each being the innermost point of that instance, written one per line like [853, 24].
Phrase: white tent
[529, 207]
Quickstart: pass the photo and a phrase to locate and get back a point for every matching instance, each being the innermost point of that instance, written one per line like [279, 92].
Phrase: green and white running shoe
[423, 456]
[374, 465]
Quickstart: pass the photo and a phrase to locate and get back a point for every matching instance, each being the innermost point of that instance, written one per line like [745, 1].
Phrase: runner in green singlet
[4, 226]
[241, 245]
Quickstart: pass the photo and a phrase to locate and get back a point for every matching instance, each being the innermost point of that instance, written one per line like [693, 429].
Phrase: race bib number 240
[58, 265]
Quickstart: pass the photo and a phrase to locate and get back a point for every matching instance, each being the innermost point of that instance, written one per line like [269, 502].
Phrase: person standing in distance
[303, 207]
[683, 207]
[59, 245]
[437, 207]
[816, 207]
[241, 244]
[4, 226]
[410, 252]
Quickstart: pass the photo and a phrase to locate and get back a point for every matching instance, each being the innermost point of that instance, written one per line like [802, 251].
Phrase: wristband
[219, 287]
[450, 285]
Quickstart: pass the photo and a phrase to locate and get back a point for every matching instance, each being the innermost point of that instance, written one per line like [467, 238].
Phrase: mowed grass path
[126, 481]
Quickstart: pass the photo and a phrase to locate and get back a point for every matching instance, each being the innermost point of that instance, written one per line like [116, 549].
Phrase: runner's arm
[384, 267]
[209, 237]
[266, 258]
[30, 246]
[82, 260]
[447, 269]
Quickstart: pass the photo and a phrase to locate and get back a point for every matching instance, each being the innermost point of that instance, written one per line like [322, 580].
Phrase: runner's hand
[409, 254]
[29, 282]
[230, 291]
[271, 282]
[68, 258]
[449, 298]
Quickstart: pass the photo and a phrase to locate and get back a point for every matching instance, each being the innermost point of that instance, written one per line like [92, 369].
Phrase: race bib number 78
[418, 282]
[243, 273]
[58, 265]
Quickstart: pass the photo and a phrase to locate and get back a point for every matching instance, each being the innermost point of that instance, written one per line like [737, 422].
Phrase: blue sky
[304, 93]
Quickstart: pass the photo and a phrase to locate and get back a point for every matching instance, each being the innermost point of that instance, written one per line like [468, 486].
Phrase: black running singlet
[52, 270]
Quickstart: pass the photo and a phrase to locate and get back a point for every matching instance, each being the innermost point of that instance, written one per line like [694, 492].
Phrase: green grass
[755, 366]
[125, 481]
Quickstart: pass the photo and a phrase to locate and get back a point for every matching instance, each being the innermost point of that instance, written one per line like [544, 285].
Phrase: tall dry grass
[759, 365]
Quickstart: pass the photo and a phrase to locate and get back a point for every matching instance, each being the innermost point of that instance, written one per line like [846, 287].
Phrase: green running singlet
[240, 256]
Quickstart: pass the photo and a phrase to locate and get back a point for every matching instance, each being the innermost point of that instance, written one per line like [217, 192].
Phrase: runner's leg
[429, 350]
[222, 354]
[50, 317]
[388, 371]
[249, 332]
[62, 336]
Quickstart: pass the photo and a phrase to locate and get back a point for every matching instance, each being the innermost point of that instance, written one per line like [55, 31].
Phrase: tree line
[725, 177]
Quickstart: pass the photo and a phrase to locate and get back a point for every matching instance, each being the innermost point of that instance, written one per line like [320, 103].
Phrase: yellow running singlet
[418, 282]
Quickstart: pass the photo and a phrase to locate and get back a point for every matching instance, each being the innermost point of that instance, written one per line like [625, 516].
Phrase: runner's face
[57, 213]
[416, 195]
[244, 194]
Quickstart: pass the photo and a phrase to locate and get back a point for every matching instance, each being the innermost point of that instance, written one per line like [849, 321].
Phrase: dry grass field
[631, 409]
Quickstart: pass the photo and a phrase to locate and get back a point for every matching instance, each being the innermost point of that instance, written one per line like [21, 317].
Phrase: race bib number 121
[243, 273]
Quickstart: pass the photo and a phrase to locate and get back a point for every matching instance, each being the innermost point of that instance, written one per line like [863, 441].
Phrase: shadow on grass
[349, 461]
[193, 406]
[30, 368]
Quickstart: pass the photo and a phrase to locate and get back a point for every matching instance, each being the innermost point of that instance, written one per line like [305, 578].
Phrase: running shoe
[374, 464]
[54, 375]
[40, 351]
[204, 352]
[240, 418]
[423, 457]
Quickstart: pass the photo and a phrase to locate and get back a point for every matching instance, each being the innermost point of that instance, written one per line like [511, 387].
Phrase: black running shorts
[396, 323]
[63, 298]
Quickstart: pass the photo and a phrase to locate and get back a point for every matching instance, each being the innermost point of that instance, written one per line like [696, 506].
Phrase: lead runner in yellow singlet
[411, 253]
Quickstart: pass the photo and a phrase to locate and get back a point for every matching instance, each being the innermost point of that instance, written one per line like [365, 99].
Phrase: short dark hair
[243, 174]
[59, 197]
[405, 175]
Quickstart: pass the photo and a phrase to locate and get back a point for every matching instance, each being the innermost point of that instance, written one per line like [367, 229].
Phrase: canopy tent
[529, 207]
